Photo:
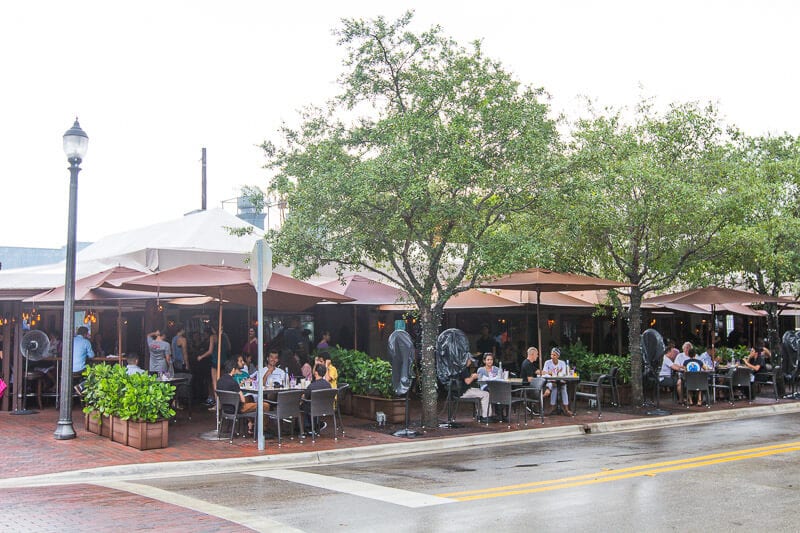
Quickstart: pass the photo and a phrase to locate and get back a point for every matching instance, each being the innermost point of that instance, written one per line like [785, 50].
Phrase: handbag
[3, 387]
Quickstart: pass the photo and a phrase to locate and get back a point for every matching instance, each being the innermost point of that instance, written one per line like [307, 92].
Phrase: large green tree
[763, 249]
[647, 196]
[411, 170]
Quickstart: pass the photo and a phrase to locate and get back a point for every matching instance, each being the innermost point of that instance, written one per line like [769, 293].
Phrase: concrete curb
[381, 451]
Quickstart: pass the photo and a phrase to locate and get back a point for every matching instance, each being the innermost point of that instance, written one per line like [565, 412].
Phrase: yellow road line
[622, 473]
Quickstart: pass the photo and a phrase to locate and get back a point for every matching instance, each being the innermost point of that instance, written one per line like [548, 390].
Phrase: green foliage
[589, 364]
[103, 388]
[110, 391]
[413, 169]
[365, 375]
[146, 399]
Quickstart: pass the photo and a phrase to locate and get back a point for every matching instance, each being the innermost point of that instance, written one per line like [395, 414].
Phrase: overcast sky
[155, 81]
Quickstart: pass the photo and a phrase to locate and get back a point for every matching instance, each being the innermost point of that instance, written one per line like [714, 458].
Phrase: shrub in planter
[367, 376]
[145, 399]
[110, 393]
[102, 393]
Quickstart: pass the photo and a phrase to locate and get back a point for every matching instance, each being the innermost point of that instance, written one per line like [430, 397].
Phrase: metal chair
[229, 403]
[593, 390]
[741, 378]
[610, 384]
[533, 394]
[342, 388]
[286, 406]
[770, 378]
[500, 394]
[697, 382]
[322, 403]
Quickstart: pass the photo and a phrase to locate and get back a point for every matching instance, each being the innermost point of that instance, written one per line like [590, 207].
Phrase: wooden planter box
[625, 394]
[367, 406]
[119, 430]
[93, 425]
[148, 435]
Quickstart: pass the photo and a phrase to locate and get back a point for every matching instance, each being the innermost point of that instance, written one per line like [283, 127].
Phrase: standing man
[81, 350]
[180, 350]
[486, 343]
[160, 352]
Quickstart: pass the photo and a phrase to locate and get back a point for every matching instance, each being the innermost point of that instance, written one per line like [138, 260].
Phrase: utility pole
[203, 202]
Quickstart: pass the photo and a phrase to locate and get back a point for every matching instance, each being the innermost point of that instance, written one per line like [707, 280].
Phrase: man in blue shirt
[81, 350]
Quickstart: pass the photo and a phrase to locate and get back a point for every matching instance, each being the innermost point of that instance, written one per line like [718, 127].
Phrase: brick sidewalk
[29, 446]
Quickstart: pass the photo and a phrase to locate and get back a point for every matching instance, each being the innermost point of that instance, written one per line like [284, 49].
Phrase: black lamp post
[75, 144]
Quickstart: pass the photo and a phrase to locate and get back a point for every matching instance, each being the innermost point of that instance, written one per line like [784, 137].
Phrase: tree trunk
[430, 321]
[634, 346]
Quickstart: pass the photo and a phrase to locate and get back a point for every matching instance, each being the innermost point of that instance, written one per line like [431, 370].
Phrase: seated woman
[693, 364]
[488, 370]
[554, 367]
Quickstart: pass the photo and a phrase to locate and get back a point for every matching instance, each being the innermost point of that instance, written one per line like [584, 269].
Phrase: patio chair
[592, 390]
[533, 395]
[454, 400]
[322, 403]
[342, 388]
[229, 403]
[724, 381]
[286, 406]
[697, 382]
[611, 385]
[770, 379]
[500, 395]
[741, 378]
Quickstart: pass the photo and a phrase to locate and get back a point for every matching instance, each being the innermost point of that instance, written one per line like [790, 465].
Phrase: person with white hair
[554, 367]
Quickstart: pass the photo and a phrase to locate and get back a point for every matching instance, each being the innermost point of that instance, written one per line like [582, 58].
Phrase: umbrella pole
[355, 327]
[713, 323]
[119, 332]
[539, 324]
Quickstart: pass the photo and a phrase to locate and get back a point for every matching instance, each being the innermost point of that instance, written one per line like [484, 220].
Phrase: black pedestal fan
[34, 347]
[401, 350]
[452, 354]
[653, 348]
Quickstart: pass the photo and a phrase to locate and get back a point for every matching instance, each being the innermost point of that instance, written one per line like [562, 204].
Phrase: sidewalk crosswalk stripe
[402, 497]
[237, 516]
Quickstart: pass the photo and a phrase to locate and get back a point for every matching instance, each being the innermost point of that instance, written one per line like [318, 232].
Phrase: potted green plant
[370, 381]
[145, 408]
[102, 390]
[130, 409]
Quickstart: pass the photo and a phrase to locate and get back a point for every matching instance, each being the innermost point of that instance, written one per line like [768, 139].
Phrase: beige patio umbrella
[541, 280]
[714, 296]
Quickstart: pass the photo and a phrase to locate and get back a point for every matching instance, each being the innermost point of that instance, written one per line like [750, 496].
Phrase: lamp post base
[64, 430]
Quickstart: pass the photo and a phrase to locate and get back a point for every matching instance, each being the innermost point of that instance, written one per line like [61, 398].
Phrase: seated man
[227, 383]
[319, 383]
[465, 379]
[554, 367]
[81, 350]
[529, 366]
[133, 365]
[665, 377]
[272, 373]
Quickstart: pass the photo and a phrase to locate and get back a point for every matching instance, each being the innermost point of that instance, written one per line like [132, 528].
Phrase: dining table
[177, 381]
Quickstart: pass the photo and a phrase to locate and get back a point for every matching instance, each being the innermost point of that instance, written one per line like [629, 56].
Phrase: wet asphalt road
[740, 475]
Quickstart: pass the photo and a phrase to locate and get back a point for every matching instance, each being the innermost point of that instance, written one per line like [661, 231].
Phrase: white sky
[155, 81]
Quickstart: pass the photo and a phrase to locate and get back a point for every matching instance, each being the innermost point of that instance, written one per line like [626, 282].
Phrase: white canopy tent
[198, 238]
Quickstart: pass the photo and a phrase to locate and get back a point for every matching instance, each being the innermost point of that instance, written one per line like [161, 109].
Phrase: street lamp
[75, 144]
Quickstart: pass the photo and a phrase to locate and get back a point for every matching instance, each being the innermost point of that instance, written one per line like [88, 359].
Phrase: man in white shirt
[666, 378]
